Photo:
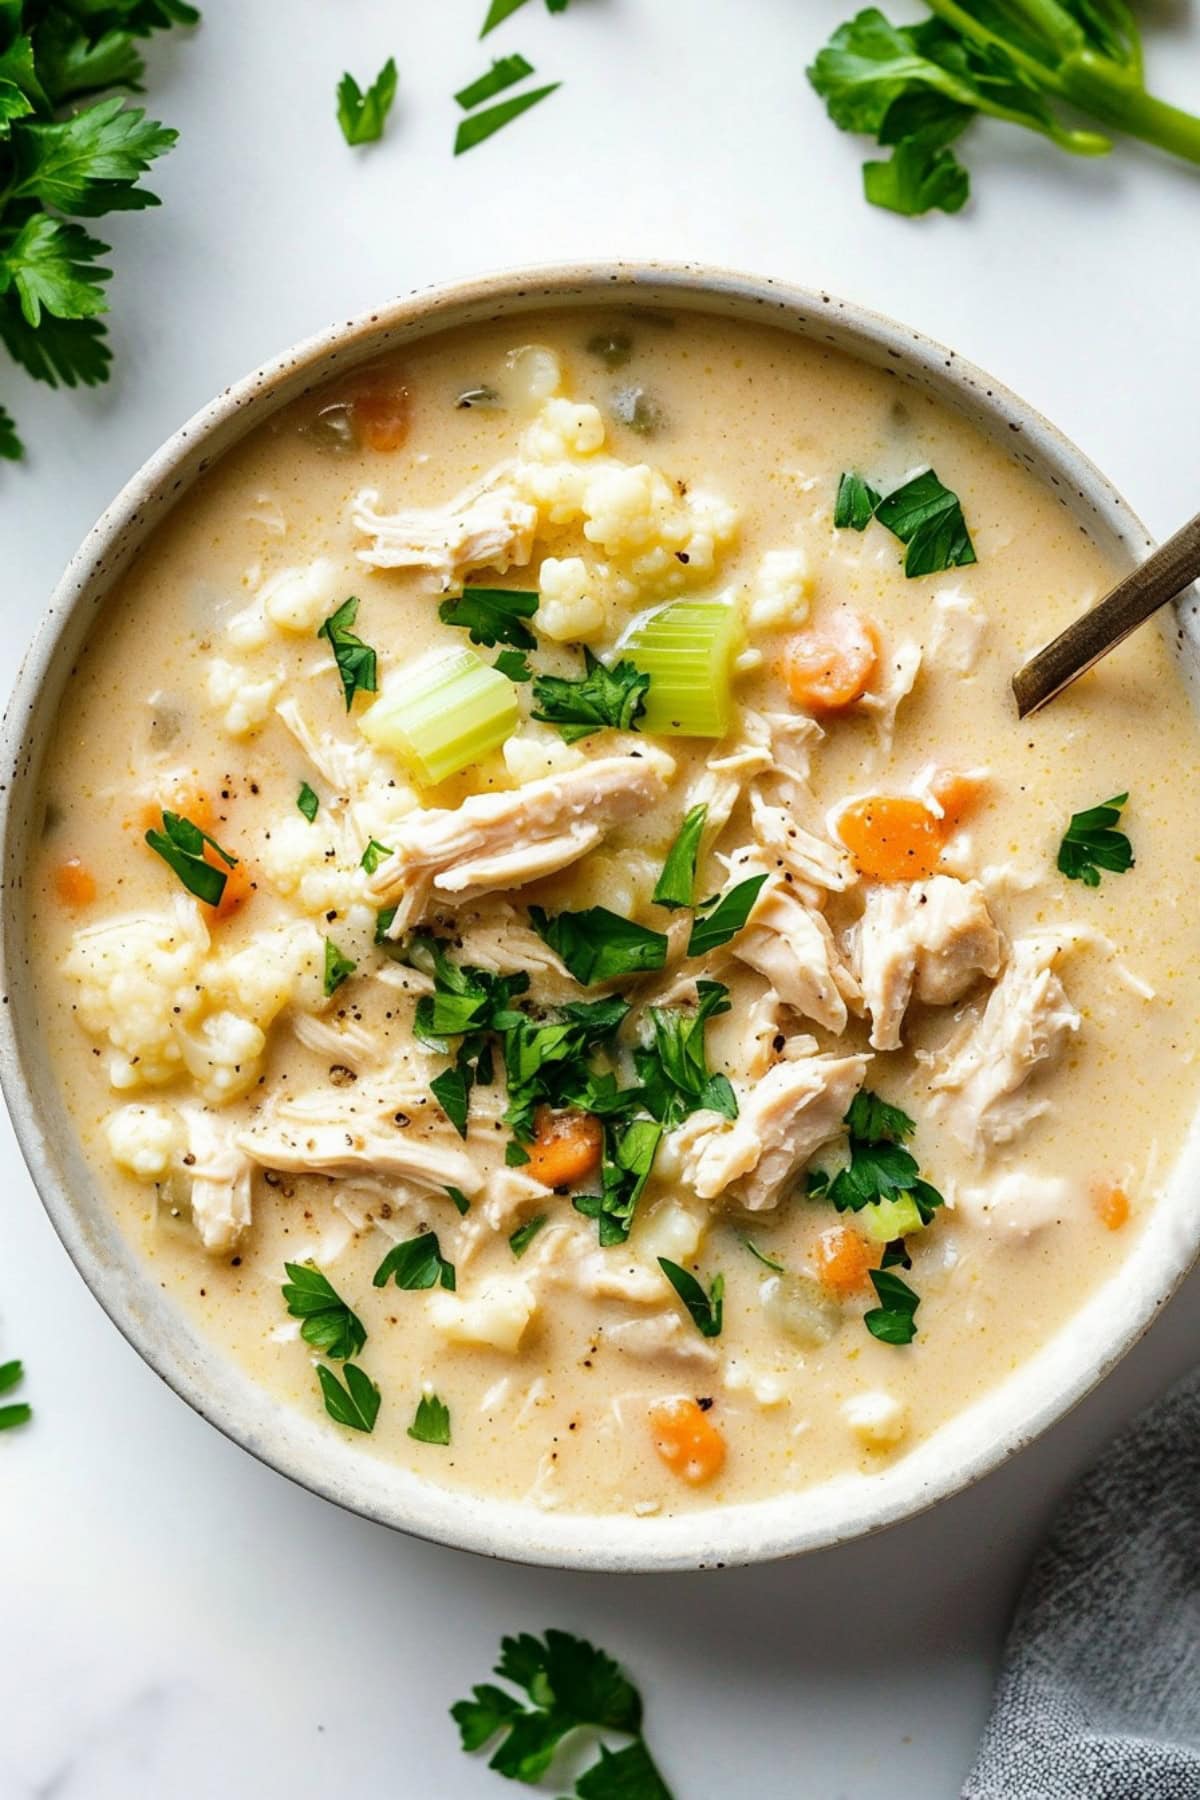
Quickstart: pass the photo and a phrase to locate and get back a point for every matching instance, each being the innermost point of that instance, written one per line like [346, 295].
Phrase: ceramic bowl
[304, 1448]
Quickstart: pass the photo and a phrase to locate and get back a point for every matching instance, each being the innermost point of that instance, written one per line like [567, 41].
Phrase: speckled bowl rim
[303, 1448]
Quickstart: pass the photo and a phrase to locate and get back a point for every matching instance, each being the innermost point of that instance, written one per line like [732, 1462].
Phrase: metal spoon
[1172, 567]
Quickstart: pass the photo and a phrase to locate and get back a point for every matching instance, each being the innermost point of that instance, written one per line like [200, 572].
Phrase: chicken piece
[324, 1133]
[495, 1314]
[663, 1337]
[782, 1122]
[812, 859]
[1016, 1204]
[503, 840]
[978, 1078]
[505, 946]
[485, 527]
[790, 943]
[959, 628]
[927, 940]
[884, 702]
[220, 1177]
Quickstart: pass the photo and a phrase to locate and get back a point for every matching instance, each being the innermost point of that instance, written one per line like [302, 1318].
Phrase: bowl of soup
[549, 994]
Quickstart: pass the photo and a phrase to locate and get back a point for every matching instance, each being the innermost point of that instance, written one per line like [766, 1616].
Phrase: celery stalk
[447, 713]
[886, 1220]
[688, 650]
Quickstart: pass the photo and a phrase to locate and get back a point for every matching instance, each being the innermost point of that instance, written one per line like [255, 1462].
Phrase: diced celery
[688, 650]
[445, 714]
[886, 1220]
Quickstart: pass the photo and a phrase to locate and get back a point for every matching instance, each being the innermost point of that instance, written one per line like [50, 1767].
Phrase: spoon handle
[1172, 567]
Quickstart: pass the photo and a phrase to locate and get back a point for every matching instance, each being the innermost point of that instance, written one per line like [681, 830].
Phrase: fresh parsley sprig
[353, 1401]
[601, 697]
[431, 1423]
[492, 615]
[362, 116]
[356, 662]
[599, 945]
[1092, 843]
[721, 918]
[417, 1263]
[893, 1321]
[923, 513]
[338, 968]
[328, 1324]
[568, 1685]
[181, 845]
[676, 886]
[706, 1310]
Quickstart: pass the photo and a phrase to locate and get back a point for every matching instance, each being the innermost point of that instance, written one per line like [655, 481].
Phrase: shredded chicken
[958, 631]
[1017, 1203]
[322, 1133]
[791, 944]
[978, 1079]
[503, 840]
[664, 1336]
[782, 1122]
[220, 1176]
[485, 527]
[928, 940]
[884, 702]
[811, 859]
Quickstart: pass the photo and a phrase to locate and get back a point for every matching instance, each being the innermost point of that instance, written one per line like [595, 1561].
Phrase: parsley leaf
[11, 1374]
[181, 846]
[505, 70]
[676, 886]
[600, 697]
[87, 164]
[11, 447]
[524, 1235]
[362, 117]
[768, 1262]
[722, 917]
[307, 802]
[338, 968]
[53, 265]
[892, 1321]
[855, 505]
[629, 1158]
[492, 615]
[706, 1310]
[452, 1091]
[328, 1323]
[627, 1774]
[877, 1121]
[927, 517]
[676, 1079]
[432, 1422]
[374, 854]
[417, 1263]
[480, 125]
[917, 177]
[356, 662]
[1091, 843]
[461, 1203]
[357, 1403]
[598, 945]
[499, 10]
[880, 1168]
[514, 664]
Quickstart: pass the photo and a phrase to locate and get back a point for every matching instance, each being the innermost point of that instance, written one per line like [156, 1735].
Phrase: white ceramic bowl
[306, 1448]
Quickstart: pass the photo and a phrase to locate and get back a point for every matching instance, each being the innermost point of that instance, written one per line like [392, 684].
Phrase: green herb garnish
[629, 1155]
[417, 1263]
[892, 1321]
[181, 846]
[492, 616]
[768, 1262]
[855, 505]
[499, 10]
[356, 662]
[598, 698]
[514, 664]
[480, 125]
[706, 1309]
[676, 886]
[362, 117]
[1091, 843]
[676, 1079]
[461, 1203]
[598, 945]
[880, 1168]
[524, 1235]
[722, 917]
[374, 854]
[328, 1324]
[11, 1374]
[338, 968]
[927, 517]
[432, 1422]
[357, 1403]
[307, 802]
[504, 71]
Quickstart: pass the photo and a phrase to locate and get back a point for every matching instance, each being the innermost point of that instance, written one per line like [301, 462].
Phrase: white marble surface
[177, 1622]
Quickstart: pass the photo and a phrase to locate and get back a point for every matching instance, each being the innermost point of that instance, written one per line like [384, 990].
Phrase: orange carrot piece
[1112, 1206]
[842, 1260]
[566, 1146]
[830, 666]
[381, 417]
[687, 1440]
[957, 794]
[74, 883]
[892, 837]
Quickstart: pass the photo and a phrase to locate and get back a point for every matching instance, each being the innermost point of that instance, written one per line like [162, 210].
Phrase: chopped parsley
[328, 1324]
[11, 1375]
[499, 10]
[567, 1684]
[338, 968]
[362, 117]
[1092, 843]
[598, 945]
[307, 802]
[374, 854]
[181, 846]
[524, 1235]
[927, 517]
[676, 886]
[356, 661]
[415, 1264]
[722, 917]
[480, 125]
[676, 1079]
[855, 505]
[601, 697]
[706, 1309]
[892, 1321]
[431, 1425]
[514, 664]
[629, 1155]
[461, 1203]
[492, 616]
[356, 1403]
[768, 1262]
[880, 1168]
[505, 70]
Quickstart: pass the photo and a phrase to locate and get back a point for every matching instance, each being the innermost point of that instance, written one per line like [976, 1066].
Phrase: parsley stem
[1104, 89]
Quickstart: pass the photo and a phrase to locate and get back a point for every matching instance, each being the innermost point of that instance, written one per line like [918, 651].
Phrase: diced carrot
[842, 1260]
[381, 417]
[892, 837]
[687, 1440]
[830, 666]
[1112, 1206]
[74, 884]
[566, 1146]
[957, 794]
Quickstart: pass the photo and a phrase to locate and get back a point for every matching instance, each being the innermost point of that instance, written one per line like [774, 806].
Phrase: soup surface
[708, 1086]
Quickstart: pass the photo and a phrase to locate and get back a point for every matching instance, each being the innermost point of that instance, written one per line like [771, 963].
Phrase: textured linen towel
[1099, 1692]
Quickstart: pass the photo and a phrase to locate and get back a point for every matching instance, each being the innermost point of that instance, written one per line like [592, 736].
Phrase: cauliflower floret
[534, 373]
[265, 974]
[299, 599]
[222, 1055]
[638, 518]
[781, 591]
[144, 1140]
[531, 754]
[246, 704]
[669, 1230]
[139, 982]
[380, 807]
[571, 610]
[300, 862]
[564, 428]
[878, 1420]
[495, 1315]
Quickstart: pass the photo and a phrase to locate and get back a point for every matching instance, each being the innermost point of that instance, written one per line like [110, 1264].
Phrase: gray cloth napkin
[1099, 1692]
